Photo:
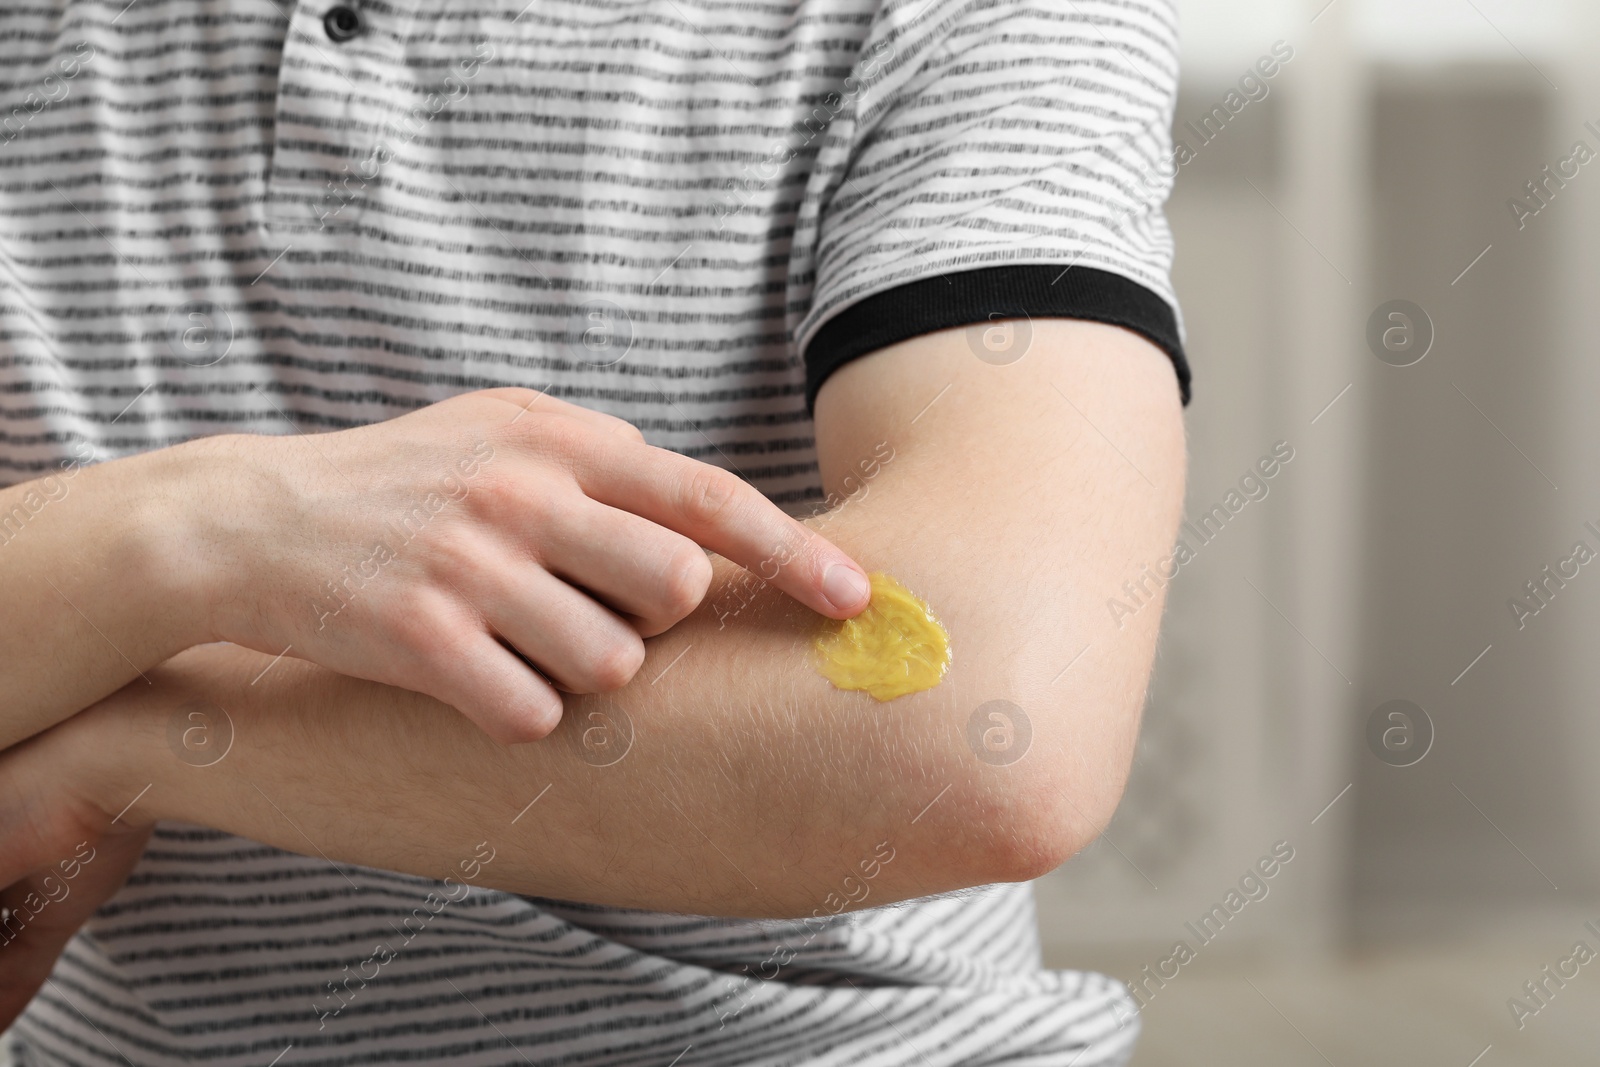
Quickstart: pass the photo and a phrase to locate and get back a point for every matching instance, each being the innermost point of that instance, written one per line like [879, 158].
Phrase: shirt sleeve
[993, 159]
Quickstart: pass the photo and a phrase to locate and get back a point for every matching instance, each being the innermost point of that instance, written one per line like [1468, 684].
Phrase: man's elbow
[1018, 816]
[1063, 815]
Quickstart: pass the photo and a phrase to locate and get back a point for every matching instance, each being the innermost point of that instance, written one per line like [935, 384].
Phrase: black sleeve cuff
[1032, 290]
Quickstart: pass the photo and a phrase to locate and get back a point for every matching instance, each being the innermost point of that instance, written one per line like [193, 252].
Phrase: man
[378, 379]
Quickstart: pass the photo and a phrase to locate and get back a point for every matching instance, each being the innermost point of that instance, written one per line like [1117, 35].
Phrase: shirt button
[342, 23]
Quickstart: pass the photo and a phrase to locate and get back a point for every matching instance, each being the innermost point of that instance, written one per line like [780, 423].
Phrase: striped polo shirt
[273, 217]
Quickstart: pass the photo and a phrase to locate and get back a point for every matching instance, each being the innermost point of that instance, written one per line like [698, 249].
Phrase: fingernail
[845, 587]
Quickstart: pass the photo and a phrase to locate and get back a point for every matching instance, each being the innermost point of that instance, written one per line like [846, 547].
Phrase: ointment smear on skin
[894, 647]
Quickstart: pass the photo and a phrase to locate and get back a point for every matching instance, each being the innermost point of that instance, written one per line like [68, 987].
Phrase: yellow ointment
[892, 648]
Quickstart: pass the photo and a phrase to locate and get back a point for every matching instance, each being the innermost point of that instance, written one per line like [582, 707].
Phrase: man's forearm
[89, 599]
[752, 787]
[743, 783]
[740, 803]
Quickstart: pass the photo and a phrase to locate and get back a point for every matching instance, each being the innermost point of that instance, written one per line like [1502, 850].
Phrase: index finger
[721, 511]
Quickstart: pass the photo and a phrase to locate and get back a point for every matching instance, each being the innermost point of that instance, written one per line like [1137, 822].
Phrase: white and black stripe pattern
[1000, 132]
[221, 951]
[736, 188]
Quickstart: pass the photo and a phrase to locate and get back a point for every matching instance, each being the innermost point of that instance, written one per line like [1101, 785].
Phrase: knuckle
[511, 498]
[628, 431]
[461, 560]
[711, 496]
[559, 435]
[494, 493]
[450, 548]
[415, 631]
[433, 631]
[684, 580]
[616, 662]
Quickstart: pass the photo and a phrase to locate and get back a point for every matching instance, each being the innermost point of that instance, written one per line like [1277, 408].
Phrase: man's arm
[418, 552]
[1017, 500]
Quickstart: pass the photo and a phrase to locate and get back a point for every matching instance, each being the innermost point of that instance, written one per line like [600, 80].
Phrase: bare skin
[423, 552]
[1016, 505]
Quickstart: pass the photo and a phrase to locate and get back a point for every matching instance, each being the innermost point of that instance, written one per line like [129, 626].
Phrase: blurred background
[1444, 848]
[1444, 859]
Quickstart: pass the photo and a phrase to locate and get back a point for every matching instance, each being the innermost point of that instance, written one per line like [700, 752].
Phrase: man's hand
[491, 551]
[61, 857]
[444, 550]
